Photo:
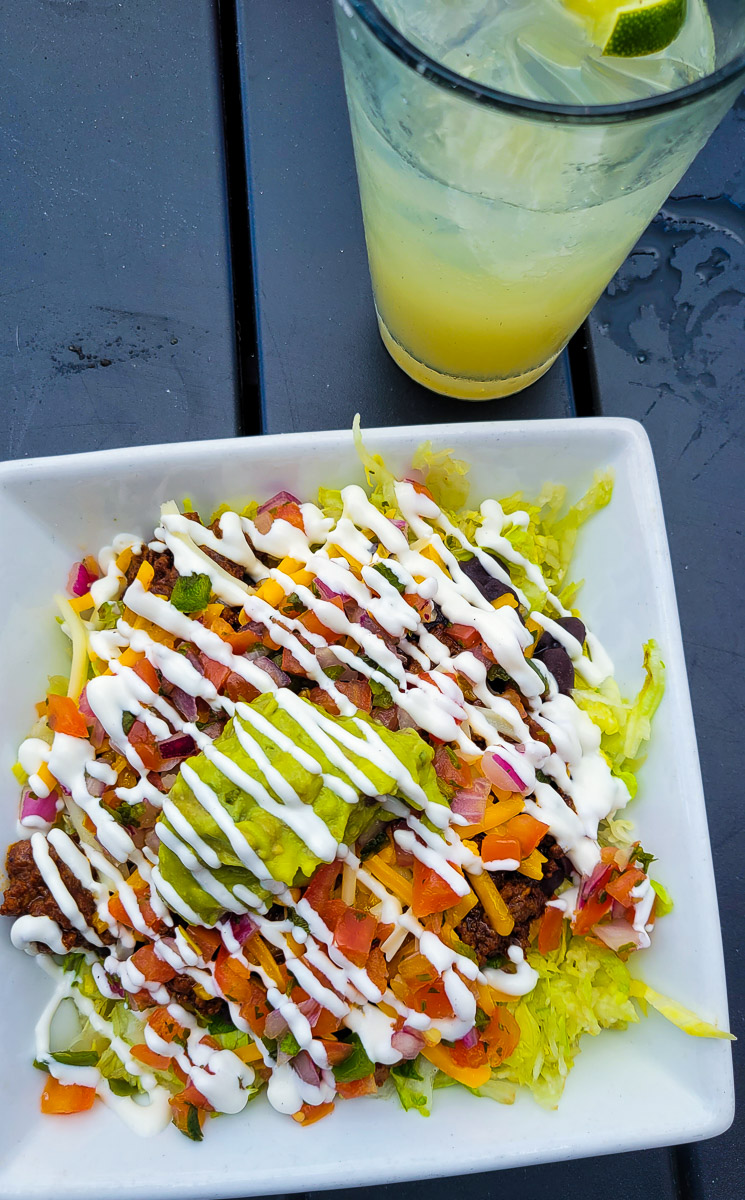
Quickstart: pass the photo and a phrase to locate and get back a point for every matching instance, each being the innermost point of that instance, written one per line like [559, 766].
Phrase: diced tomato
[431, 894]
[208, 941]
[336, 1052]
[147, 674]
[310, 1113]
[215, 671]
[166, 1026]
[144, 1054]
[377, 968]
[143, 741]
[291, 514]
[139, 1000]
[515, 700]
[592, 912]
[65, 1098]
[291, 665]
[495, 847]
[620, 889]
[501, 1035]
[153, 968]
[322, 884]
[232, 976]
[326, 1024]
[549, 933]
[432, 1000]
[358, 691]
[357, 1087]
[421, 488]
[468, 1056]
[450, 768]
[323, 700]
[185, 1116]
[528, 832]
[464, 635]
[332, 912]
[238, 688]
[192, 1095]
[65, 717]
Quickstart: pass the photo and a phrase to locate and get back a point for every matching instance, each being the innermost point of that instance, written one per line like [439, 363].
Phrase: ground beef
[525, 898]
[181, 989]
[227, 564]
[27, 893]
[165, 573]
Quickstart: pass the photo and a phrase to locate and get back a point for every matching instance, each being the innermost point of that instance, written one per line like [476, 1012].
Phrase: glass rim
[429, 68]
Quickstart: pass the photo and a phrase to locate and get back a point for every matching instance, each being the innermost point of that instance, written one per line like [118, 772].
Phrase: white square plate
[646, 1087]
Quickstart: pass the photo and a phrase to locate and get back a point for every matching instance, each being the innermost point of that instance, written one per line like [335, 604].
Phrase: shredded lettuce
[686, 1020]
[330, 501]
[381, 480]
[444, 475]
[582, 988]
[414, 1082]
[664, 899]
[625, 725]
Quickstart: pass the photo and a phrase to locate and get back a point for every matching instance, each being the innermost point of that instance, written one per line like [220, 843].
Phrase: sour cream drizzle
[424, 679]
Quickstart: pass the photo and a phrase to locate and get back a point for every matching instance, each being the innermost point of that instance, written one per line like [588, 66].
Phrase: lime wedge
[645, 28]
[631, 29]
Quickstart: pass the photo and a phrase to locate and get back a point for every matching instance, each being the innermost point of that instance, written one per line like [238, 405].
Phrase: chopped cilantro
[128, 720]
[193, 1129]
[482, 1020]
[357, 1066]
[381, 697]
[191, 593]
[376, 842]
[76, 1058]
[293, 604]
[640, 856]
[289, 1044]
[406, 1069]
[122, 1087]
[125, 813]
[389, 574]
[334, 672]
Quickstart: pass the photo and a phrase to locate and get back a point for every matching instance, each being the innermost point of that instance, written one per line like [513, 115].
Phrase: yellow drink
[491, 232]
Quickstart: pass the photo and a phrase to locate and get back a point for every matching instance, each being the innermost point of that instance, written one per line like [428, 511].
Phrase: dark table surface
[181, 256]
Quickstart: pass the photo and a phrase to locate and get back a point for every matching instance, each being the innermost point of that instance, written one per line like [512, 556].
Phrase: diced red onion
[404, 858]
[79, 580]
[43, 807]
[311, 1010]
[213, 730]
[195, 661]
[327, 593]
[98, 733]
[594, 882]
[399, 523]
[242, 928]
[618, 910]
[478, 653]
[179, 746]
[305, 1067]
[404, 720]
[617, 933]
[96, 787]
[409, 1042]
[186, 704]
[275, 1024]
[280, 677]
[386, 716]
[276, 501]
[501, 772]
[470, 1040]
[152, 841]
[325, 657]
[470, 802]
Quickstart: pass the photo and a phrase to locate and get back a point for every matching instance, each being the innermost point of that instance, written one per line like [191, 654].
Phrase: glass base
[453, 385]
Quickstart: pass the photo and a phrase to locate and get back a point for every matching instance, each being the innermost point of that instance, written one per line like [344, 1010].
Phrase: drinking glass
[493, 220]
